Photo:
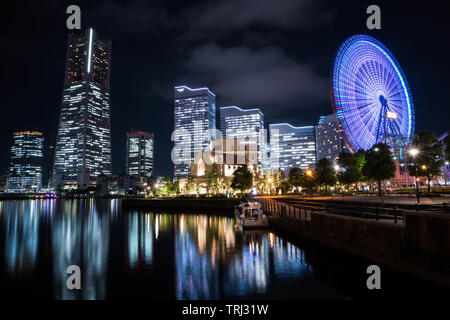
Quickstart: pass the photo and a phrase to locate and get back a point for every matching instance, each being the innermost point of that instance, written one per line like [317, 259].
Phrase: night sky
[273, 54]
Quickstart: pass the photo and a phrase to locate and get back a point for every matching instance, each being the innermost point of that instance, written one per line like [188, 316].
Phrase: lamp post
[445, 173]
[309, 173]
[413, 153]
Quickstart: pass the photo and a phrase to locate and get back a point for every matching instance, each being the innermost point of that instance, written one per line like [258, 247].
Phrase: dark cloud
[232, 14]
[267, 77]
[127, 18]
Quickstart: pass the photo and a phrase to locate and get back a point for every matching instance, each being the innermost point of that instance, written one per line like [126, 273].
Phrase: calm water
[161, 256]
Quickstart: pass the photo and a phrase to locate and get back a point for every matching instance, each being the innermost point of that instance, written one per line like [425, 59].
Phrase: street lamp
[445, 173]
[414, 152]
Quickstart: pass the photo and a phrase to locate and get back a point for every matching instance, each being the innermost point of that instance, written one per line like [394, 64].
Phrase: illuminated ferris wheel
[370, 94]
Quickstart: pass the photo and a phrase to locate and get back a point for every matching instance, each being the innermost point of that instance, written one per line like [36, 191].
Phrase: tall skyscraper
[329, 138]
[194, 126]
[83, 144]
[25, 169]
[245, 123]
[140, 155]
[292, 147]
[51, 156]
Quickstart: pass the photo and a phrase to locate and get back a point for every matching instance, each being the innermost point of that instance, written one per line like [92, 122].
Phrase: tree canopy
[295, 177]
[325, 173]
[242, 179]
[349, 168]
[378, 164]
[429, 158]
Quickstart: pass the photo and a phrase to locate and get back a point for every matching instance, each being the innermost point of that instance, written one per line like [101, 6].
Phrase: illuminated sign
[391, 115]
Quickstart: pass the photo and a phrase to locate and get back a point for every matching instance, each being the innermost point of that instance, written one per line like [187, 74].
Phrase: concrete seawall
[222, 206]
[420, 246]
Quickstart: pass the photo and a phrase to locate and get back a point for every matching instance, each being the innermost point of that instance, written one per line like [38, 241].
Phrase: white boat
[250, 215]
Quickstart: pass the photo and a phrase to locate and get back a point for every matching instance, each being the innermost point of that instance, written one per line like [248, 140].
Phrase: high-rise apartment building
[83, 144]
[139, 162]
[292, 147]
[245, 123]
[329, 138]
[25, 169]
[194, 126]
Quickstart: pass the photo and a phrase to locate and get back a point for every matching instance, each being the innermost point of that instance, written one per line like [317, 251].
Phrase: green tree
[295, 176]
[379, 164]
[280, 182]
[349, 168]
[325, 174]
[165, 186]
[242, 179]
[259, 182]
[308, 180]
[211, 181]
[189, 184]
[429, 159]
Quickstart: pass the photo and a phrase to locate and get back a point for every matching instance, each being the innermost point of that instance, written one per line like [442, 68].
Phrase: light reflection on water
[208, 257]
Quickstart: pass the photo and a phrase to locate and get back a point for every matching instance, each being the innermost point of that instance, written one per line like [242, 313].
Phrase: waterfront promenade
[393, 198]
[398, 236]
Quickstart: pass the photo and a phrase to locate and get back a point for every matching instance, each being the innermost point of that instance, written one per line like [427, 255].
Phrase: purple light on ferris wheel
[370, 94]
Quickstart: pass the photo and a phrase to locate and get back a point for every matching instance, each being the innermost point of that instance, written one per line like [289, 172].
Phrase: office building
[292, 147]
[25, 169]
[329, 138]
[194, 126]
[245, 123]
[139, 161]
[83, 143]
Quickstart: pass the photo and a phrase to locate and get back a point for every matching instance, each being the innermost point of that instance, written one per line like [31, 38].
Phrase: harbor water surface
[146, 255]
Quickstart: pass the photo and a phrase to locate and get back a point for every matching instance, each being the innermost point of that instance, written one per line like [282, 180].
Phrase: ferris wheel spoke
[388, 82]
[373, 122]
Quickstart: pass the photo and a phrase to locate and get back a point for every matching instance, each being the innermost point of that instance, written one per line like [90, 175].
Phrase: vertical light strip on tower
[90, 51]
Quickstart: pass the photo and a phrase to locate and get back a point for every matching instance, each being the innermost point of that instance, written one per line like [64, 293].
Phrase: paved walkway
[396, 199]
[402, 199]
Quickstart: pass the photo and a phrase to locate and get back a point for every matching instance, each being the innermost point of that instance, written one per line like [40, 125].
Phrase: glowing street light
[309, 173]
[414, 152]
[445, 172]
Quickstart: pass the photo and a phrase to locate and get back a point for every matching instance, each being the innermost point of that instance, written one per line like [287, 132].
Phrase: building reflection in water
[213, 261]
[80, 236]
[264, 256]
[21, 221]
[140, 239]
[201, 242]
